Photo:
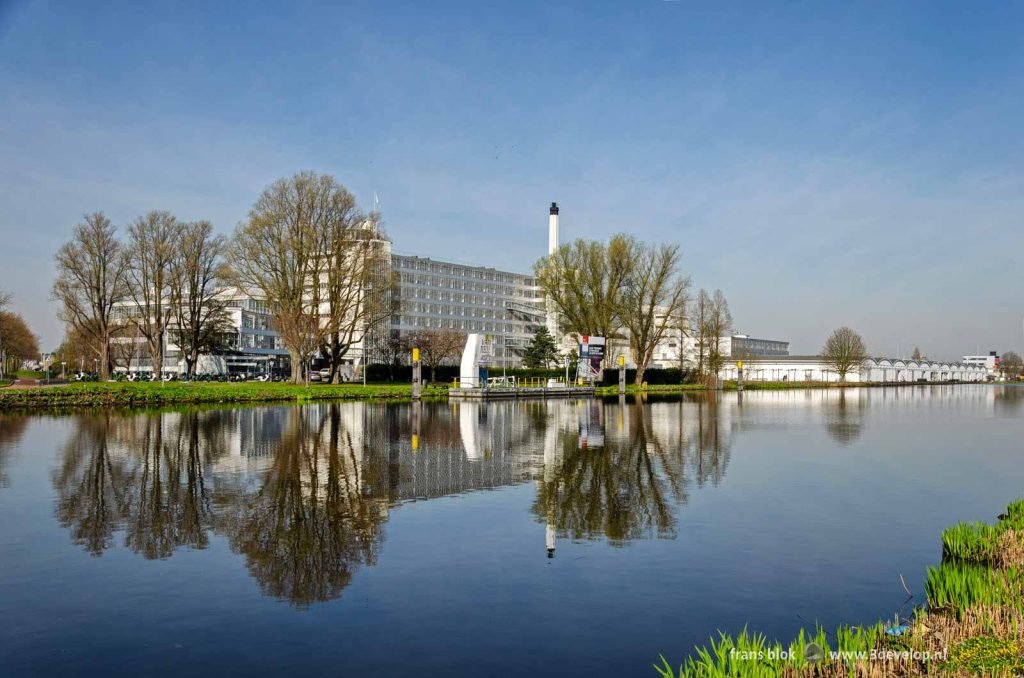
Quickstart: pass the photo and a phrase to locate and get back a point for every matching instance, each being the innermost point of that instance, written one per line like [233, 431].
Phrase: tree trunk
[296, 366]
[641, 370]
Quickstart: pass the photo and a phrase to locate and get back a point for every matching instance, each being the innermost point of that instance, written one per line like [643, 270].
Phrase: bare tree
[844, 351]
[1011, 365]
[701, 310]
[584, 281]
[276, 255]
[715, 323]
[200, 310]
[90, 282]
[152, 249]
[653, 299]
[391, 348]
[437, 347]
[357, 280]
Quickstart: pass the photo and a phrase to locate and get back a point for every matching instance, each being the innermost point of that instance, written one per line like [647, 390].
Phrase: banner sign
[591, 357]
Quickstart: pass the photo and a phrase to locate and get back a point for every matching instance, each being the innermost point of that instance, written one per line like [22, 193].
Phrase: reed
[975, 612]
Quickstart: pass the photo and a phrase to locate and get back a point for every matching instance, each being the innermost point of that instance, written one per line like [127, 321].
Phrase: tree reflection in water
[843, 420]
[627, 488]
[90, 484]
[12, 427]
[309, 526]
[142, 474]
[302, 492]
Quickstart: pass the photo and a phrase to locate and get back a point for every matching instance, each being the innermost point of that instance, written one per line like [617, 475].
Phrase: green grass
[980, 542]
[124, 394]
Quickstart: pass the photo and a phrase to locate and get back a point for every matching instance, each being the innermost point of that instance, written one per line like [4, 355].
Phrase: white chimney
[553, 228]
[552, 313]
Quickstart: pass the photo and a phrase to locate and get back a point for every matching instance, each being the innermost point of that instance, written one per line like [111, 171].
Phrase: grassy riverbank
[973, 623]
[124, 394]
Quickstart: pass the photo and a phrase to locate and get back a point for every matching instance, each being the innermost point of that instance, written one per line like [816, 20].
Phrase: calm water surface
[521, 538]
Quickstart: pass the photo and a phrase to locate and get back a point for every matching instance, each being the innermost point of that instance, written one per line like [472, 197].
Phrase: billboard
[591, 356]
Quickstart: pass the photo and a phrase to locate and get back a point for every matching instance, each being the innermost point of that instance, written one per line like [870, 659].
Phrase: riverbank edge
[121, 394]
[972, 623]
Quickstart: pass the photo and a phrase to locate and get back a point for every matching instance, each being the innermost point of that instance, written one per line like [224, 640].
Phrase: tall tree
[5, 299]
[541, 352]
[584, 281]
[152, 248]
[844, 351]
[357, 281]
[652, 300]
[200, 310]
[701, 311]
[90, 282]
[276, 255]
[717, 324]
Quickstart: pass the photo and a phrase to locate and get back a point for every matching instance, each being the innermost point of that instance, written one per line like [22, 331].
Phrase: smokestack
[553, 228]
[552, 314]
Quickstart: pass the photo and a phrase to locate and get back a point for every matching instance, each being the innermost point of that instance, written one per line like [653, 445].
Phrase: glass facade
[471, 299]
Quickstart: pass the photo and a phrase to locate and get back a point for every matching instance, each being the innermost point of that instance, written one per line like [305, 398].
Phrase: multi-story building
[469, 299]
[990, 362]
[675, 350]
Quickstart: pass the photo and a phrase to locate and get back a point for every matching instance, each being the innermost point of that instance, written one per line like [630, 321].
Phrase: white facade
[874, 370]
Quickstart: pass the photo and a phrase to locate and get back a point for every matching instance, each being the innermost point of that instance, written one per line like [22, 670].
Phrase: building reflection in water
[302, 493]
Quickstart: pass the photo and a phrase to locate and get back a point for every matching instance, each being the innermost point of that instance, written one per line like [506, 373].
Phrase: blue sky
[856, 164]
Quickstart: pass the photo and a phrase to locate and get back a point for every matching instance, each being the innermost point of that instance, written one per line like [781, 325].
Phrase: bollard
[739, 376]
[417, 384]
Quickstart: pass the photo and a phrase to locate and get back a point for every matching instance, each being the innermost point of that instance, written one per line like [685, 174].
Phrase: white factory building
[875, 370]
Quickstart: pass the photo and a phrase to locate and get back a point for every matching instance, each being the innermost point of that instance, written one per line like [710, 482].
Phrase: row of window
[442, 268]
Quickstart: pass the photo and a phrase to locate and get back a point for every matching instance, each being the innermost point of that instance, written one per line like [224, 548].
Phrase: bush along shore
[126, 394]
[973, 623]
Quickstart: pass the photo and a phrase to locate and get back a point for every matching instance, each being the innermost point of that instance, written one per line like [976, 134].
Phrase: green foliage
[973, 542]
[541, 352]
[107, 394]
[958, 586]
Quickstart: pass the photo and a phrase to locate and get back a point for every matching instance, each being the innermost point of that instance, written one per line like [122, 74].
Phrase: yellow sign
[739, 365]
[415, 355]
[622, 361]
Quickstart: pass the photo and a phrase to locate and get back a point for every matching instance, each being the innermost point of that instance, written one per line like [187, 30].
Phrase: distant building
[667, 352]
[990, 362]
[873, 370]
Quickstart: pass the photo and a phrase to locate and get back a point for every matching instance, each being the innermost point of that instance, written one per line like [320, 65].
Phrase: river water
[514, 538]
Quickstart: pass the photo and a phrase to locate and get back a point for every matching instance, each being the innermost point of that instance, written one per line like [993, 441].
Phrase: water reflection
[12, 427]
[313, 520]
[844, 420]
[302, 494]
